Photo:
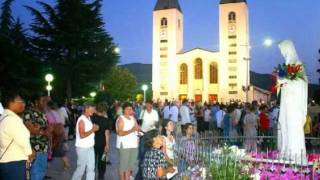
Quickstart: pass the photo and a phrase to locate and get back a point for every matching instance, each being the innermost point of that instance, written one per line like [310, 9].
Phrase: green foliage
[19, 69]
[104, 96]
[228, 166]
[70, 38]
[120, 83]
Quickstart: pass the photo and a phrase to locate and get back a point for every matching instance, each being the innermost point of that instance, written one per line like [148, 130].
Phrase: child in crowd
[188, 147]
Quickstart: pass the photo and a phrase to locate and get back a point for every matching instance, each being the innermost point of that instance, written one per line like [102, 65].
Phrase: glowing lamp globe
[144, 87]
[49, 77]
[93, 94]
[49, 87]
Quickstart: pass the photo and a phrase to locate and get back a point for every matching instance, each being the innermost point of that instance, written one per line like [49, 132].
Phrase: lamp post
[267, 42]
[144, 88]
[247, 88]
[247, 59]
[49, 78]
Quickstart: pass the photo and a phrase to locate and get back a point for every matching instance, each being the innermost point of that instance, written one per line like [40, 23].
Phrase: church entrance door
[197, 98]
[182, 97]
[213, 98]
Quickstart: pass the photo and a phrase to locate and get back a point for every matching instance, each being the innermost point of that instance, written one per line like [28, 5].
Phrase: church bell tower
[167, 42]
[234, 48]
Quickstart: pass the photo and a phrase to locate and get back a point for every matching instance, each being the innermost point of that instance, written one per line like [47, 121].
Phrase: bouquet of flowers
[286, 72]
[290, 71]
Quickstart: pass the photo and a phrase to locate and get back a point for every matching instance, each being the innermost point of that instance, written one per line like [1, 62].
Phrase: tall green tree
[18, 68]
[70, 38]
[120, 84]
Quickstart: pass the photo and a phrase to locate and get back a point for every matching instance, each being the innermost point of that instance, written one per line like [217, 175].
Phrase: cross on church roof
[232, 1]
[167, 4]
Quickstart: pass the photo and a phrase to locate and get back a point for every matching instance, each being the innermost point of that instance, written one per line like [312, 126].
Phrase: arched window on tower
[213, 73]
[164, 22]
[232, 16]
[198, 69]
[184, 74]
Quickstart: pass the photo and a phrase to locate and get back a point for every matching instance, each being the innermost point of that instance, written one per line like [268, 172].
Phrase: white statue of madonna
[293, 110]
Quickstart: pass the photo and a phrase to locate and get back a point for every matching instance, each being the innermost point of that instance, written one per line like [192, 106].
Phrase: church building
[200, 74]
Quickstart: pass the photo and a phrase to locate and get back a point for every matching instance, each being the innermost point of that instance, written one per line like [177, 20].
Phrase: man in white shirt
[174, 112]
[149, 117]
[185, 113]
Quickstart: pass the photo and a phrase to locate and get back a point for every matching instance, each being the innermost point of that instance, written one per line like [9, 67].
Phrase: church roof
[232, 1]
[197, 48]
[167, 4]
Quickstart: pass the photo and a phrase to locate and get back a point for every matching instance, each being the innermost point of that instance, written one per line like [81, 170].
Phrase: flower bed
[233, 163]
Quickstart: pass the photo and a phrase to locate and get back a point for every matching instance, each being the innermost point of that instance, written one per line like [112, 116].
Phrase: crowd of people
[34, 132]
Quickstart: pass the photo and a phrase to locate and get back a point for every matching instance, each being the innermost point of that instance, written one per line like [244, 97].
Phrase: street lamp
[144, 88]
[93, 94]
[247, 87]
[49, 78]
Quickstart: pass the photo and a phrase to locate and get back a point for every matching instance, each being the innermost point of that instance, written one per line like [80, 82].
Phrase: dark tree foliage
[19, 70]
[70, 38]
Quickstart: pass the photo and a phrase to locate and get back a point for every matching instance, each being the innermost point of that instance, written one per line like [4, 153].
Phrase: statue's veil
[289, 52]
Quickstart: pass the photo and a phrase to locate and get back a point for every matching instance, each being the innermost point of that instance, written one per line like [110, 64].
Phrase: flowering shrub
[227, 164]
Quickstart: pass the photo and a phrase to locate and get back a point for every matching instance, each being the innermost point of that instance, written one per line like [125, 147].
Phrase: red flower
[297, 68]
[290, 69]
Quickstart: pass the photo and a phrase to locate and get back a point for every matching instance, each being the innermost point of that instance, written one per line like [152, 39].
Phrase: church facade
[200, 74]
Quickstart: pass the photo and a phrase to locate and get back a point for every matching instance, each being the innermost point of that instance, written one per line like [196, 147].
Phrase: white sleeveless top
[169, 147]
[86, 142]
[131, 140]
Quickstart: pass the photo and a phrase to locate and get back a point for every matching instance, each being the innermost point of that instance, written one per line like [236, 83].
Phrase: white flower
[217, 151]
[255, 176]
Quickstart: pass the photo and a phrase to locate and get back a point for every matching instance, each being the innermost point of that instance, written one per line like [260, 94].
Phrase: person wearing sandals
[15, 147]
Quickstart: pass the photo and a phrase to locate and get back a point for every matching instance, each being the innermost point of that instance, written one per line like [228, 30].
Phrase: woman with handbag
[15, 148]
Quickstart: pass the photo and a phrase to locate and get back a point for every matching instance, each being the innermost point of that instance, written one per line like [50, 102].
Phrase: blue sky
[130, 24]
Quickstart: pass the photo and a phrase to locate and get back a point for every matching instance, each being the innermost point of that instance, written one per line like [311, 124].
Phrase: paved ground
[55, 167]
